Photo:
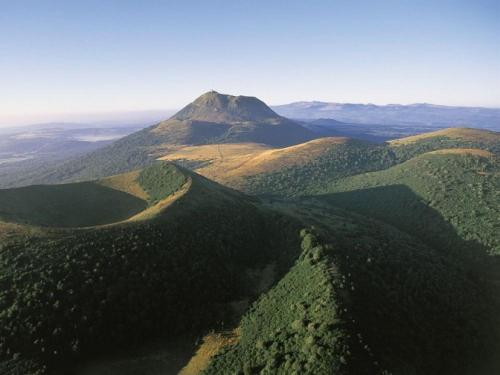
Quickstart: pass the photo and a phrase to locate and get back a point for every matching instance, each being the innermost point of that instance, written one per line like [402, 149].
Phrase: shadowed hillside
[72, 205]
[93, 203]
[461, 187]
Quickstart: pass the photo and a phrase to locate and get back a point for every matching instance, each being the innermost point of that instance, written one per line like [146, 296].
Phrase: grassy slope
[126, 182]
[69, 205]
[231, 163]
[462, 134]
[217, 162]
[357, 157]
[93, 203]
[212, 344]
[87, 290]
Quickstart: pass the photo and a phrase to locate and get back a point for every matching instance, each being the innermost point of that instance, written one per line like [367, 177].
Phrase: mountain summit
[219, 118]
[215, 107]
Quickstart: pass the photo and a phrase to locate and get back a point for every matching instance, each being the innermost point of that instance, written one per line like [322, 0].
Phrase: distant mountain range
[394, 114]
[100, 119]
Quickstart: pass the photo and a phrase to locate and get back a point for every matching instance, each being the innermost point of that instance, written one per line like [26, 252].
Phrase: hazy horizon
[132, 117]
[149, 115]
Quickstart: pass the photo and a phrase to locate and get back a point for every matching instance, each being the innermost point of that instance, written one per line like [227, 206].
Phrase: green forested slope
[81, 291]
[297, 327]
[466, 138]
[462, 189]
[161, 180]
[375, 301]
[338, 161]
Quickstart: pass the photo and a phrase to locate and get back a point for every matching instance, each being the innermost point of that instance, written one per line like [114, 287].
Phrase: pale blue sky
[103, 55]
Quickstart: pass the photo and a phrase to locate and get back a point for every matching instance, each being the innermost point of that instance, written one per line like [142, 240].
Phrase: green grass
[69, 205]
